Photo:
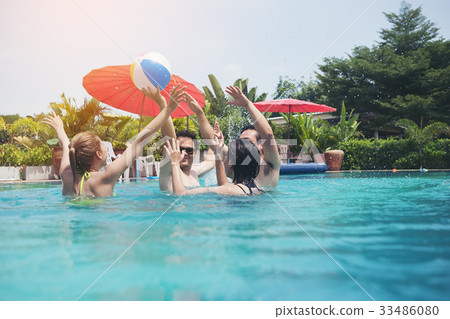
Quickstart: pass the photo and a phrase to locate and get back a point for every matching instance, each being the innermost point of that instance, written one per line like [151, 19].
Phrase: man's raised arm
[261, 125]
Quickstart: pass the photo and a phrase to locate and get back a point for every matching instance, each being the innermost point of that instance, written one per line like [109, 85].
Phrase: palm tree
[217, 100]
[78, 119]
[231, 118]
[422, 136]
[249, 93]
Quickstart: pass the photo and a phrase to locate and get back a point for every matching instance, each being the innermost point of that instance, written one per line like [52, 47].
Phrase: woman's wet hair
[82, 150]
[244, 158]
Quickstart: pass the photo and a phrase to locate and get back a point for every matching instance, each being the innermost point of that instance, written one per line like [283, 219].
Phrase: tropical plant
[4, 136]
[422, 136]
[10, 155]
[321, 132]
[217, 100]
[28, 132]
[346, 128]
[78, 119]
[250, 93]
[231, 118]
[303, 128]
[92, 116]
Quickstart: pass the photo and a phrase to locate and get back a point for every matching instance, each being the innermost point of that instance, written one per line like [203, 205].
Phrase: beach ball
[150, 70]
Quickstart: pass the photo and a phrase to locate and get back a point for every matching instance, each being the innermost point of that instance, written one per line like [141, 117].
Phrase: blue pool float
[302, 168]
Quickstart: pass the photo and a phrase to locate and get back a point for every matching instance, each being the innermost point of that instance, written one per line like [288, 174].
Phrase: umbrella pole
[140, 120]
[289, 129]
[187, 122]
[142, 111]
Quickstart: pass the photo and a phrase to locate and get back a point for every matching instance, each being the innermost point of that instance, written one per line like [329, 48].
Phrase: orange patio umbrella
[113, 86]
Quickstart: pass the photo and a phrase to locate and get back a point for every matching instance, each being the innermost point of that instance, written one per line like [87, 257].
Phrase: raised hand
[54, 121]
[177, 95]
[239, 98]
[155, 96]
[218, 135]
[193, 104]
[172, 149]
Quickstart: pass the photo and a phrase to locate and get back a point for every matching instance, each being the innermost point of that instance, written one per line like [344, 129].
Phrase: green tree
[406, 75]
[288, 88]
[422, 136]
[410, 30]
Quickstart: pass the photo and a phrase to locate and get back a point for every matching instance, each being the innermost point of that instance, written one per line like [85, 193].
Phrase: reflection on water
[390, 231]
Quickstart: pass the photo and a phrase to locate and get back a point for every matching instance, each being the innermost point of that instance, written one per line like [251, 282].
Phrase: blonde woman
[83, 157]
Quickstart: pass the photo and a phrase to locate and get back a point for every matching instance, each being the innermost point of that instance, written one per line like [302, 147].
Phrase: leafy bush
[437, 154]
[393, 153]
[37, 156]
[14, 155]
[29, 128]
[10, 155]
[24, 127]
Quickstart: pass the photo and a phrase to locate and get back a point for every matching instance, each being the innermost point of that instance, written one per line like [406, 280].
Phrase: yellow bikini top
[86, 175]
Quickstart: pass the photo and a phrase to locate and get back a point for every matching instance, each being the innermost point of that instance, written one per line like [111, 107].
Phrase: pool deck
[56, 181]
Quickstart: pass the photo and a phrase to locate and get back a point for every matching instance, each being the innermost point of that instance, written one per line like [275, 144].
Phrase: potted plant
[36, 163]
[10, 162]
[345, 130]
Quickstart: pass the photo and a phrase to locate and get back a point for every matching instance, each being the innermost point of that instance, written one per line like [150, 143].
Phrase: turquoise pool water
[390, 232]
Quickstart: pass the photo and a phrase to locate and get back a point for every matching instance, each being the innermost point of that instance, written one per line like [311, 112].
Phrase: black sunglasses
[188, 150]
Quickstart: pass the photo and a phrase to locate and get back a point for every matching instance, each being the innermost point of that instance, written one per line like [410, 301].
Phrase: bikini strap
[244, 190]
[256, 186]
[86, 175]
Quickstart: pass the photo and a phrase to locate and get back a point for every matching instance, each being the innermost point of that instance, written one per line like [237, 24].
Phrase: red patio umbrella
[113, 86]
[292, 106]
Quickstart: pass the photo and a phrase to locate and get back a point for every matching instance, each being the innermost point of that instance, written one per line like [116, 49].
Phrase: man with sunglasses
[186, 139]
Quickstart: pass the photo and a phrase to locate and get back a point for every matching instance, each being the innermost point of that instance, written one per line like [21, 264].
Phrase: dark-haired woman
[242, 162]
[83, 157]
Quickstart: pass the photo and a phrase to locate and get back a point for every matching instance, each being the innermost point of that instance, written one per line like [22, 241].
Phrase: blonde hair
[82, 150]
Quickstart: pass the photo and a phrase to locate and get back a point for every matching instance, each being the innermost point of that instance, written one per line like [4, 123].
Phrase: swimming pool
[390, 232]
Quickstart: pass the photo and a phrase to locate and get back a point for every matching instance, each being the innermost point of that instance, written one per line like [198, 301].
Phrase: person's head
[186, 140]
[86, 152]
[242, 162]
[250, 133]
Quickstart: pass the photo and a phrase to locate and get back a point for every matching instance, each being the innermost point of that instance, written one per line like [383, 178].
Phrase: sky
[47, 46]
